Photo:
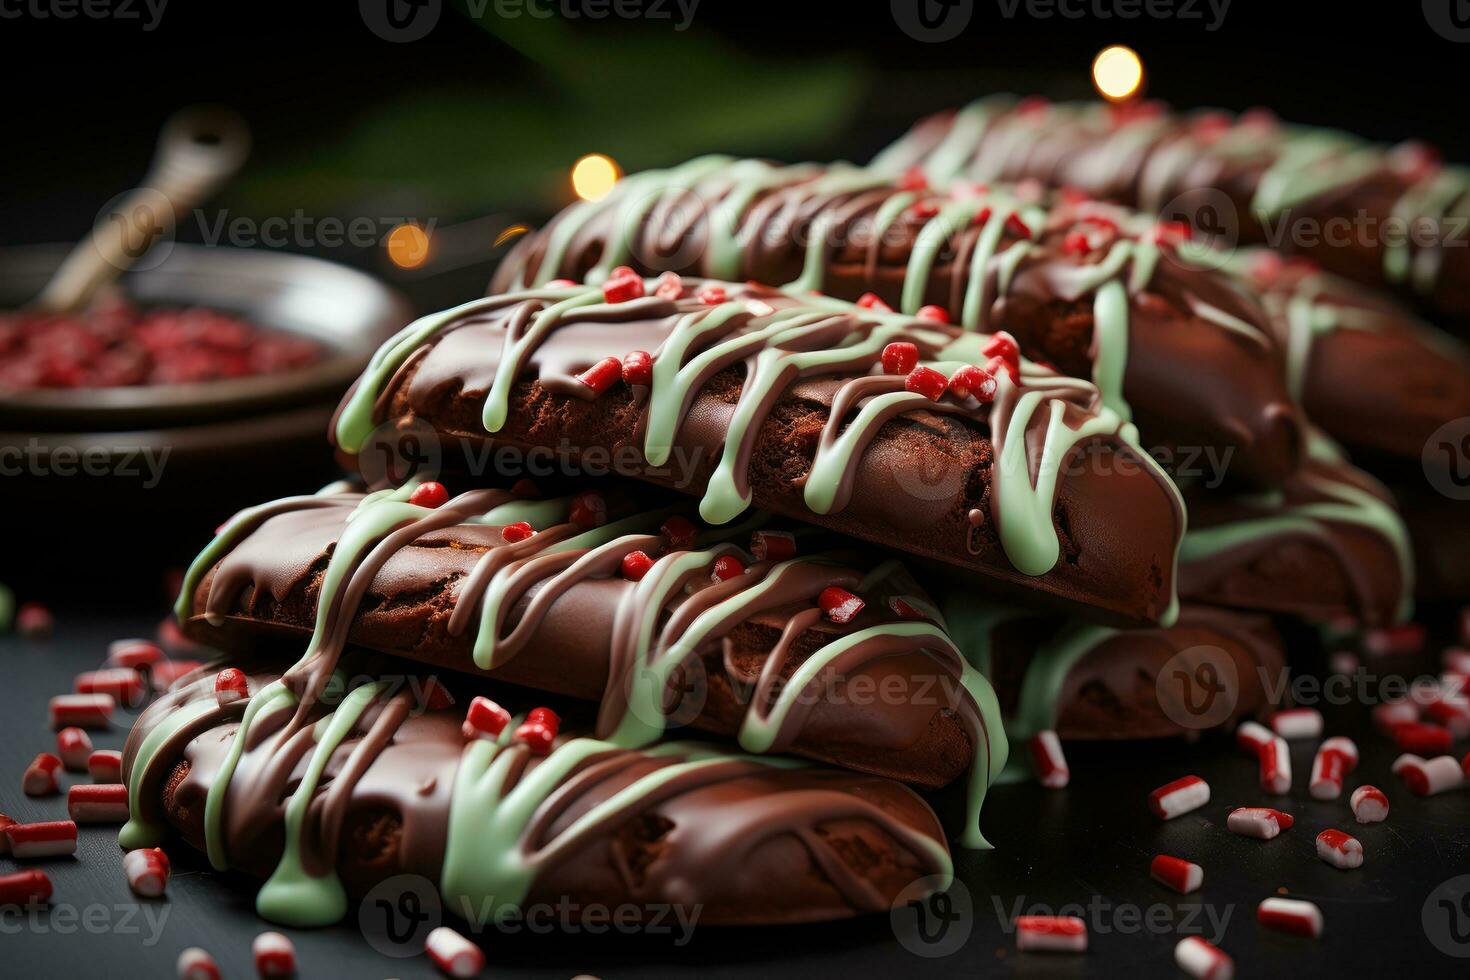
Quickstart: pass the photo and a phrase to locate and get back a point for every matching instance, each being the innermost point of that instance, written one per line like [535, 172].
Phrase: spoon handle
[199, 149]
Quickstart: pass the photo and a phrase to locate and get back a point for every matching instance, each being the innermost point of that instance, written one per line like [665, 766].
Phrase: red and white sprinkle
[275, 955]
[147, 871]
[1051, 934]
[105, 766]
[1250, 736]
[97, 803]
[230, 685]
[48, 838]
[1260, 822]
[1297, 723]
[1176, 873]
[1179, 797]
[725, 568]
[196, 964]
[1370, 804]
[74, 746]
[773, 545]
[1048, 761]
[123, 683]
[28, 887]
[1388, 716]
[1202, 960]
[1336, 757]
[1339, 849]
[1405, 638]
[1423, 739]
[82, 710]
[40, 776]
[453, 954]
[1433, 776]
[1275, 760]
[134, 654]
[1290, 915]
[839, 605]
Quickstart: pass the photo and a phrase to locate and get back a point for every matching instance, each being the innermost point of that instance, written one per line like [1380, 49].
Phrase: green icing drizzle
[291, 895]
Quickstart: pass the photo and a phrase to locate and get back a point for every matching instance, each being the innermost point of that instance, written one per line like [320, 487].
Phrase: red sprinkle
[909, 607]
[1422, 739]
[1048, 761]
[602, 375]
[1016, 226]
[1012, 368]
[931, 312]
[900, 357]
[725, 568]
[839, 605]
[1076, 243]
[429, 494]
[669, 286]
[1176, 873]
[927, 382]
[621, 288]
[678, 533]
[1003, 345]
[1179, 797]
[536, 736]
[773, 545]
[519, 531]
[230, 685]
[971, 381]
[871, 301]
[638, 368]
[484, 719]
[25, 888]
[635, 565]
[711, 295]
[588, 510]
[33, 620]
[913, 179]
[123, 683]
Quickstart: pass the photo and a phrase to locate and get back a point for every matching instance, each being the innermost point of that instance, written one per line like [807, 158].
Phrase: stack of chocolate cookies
[792, 491]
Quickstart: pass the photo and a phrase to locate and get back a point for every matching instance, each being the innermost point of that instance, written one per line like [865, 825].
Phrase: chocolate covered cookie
[1097, 292]
[328, 800]
[660, 622]
[1330, 544]
[1380, 216]
[872, 423]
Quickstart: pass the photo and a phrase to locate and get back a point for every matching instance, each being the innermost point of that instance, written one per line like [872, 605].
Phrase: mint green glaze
[488, 864]
[138, 831]
[291, 895]
[275, 694]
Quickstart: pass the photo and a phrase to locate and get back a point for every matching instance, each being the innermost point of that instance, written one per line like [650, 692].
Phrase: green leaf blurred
[641, 92]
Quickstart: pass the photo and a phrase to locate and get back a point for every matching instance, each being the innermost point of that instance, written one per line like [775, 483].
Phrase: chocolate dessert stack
[889, 474]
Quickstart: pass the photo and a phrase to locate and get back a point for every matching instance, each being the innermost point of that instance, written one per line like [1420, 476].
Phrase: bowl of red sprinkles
[204, 333]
